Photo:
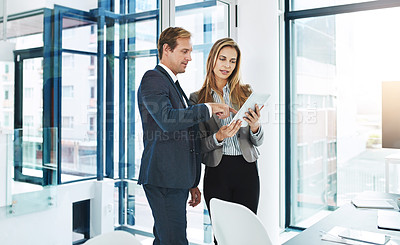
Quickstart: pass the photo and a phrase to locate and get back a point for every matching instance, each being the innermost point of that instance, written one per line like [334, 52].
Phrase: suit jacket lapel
[160, 69]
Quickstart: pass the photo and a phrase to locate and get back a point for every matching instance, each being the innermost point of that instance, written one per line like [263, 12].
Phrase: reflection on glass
[26, 192]
[32, 115]
[207, 25]
[79, 35]
[78, 117]
[145, 5]
[6, 97]
[26, 32]
[307, 4]
[339, 66]
[25, 26]
[144, 33]
[138, 208]
[141, 66]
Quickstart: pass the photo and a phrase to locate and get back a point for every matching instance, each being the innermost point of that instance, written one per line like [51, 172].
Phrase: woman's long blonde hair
[238, 91]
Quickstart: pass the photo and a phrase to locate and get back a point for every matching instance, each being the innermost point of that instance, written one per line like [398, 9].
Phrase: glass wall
[78, 99]
[339, 65]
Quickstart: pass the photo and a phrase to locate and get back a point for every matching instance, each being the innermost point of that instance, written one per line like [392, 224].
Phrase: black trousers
[233, 180]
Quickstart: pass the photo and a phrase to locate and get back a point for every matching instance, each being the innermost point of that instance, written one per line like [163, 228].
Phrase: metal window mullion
[122, 100]
[18, 111]
[122, 118]
[48, 67]
[110, 58]
[56, 83]
[167, 11]
[100, 95]
[287, 121]
[131, 32]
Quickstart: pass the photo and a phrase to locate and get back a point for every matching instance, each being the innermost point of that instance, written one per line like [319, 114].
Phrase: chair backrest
[235, 224]
[114, 238]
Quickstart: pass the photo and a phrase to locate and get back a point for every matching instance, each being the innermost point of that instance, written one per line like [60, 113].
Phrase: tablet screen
[255, 98]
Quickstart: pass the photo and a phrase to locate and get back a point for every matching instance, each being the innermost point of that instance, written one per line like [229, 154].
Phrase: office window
[28, 93]
[67, 122]
[145, 33]
[92, 91]
[79, 34]
[207, 25]
[77, 100]
[6, 94]
[28, 121]
[67, 91]
[32, 102]
[338, 65]
[6, 120]
[145, 5]
[68, 61]
[91, 124]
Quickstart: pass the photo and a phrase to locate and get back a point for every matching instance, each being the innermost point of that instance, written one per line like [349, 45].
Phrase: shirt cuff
[216, 141]
[256, 134]
[209, 109]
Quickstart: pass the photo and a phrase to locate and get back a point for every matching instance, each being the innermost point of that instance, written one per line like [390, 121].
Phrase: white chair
[235, 224]
[114, 238]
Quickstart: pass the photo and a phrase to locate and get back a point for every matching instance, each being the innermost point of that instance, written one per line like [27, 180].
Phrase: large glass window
[339, 65]
[78, 110]
[207, 25]
[32, 114]
[78, 99]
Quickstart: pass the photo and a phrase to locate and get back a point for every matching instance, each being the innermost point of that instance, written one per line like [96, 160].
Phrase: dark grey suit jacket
[171, 157]
[212, 153]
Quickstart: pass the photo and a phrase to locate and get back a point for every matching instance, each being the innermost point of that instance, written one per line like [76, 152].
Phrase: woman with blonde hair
[229, 150]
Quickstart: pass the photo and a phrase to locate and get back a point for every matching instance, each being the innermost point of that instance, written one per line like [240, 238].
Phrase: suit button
[191, 150]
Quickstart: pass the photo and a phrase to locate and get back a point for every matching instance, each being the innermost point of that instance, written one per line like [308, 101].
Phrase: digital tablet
[255, 98]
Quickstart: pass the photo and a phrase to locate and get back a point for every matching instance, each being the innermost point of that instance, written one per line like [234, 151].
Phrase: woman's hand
[252, 118]
[228, 131]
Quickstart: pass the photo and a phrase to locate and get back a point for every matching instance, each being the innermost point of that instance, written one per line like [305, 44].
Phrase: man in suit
[170, 165]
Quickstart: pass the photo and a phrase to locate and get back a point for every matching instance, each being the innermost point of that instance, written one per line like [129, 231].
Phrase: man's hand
[195, 197]
[228, 131]
[221, 110]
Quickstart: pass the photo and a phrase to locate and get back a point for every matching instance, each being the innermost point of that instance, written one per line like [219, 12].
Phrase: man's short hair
[169, 36]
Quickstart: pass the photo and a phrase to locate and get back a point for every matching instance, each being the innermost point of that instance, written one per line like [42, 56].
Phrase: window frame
[290, 16]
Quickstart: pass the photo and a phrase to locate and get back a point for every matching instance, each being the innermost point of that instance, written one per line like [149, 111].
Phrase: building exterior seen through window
[339, 64]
